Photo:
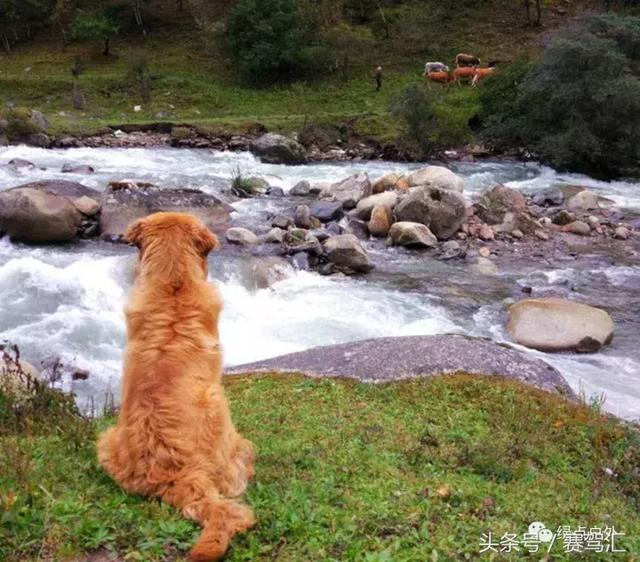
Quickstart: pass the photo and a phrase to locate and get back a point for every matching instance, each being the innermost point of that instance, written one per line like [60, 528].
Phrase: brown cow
[464, 73]
[440, 77]
[482, 73]
[463, 60]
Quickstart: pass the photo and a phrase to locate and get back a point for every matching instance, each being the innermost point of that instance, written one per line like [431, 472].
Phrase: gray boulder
[345, 251]
[442, 210]
[385, 199]
[326, 211]
[497, 202]
[436, 176]
[71, 169]
[35, 216]
[389, 359]
[241, 236]
[278, 149]
[412, 234]
[349, 191]
[302, 217]
[301, 189]
[554, 324]
[125, 202]
[44, 211]
[21, 164]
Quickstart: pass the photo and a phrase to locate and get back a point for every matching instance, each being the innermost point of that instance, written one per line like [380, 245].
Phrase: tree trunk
[180, 5]
[77, 96]
[145, 90]
[538, 13]
[6, 43]
[107, 47]
[527, 7]
[137, 13]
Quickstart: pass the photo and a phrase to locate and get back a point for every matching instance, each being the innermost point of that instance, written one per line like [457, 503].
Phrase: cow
[482, 73]
[441, 77]
[435, 67]
[463, 60]
[463, 73]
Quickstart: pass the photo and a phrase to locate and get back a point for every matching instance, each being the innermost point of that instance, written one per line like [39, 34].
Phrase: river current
[68, 300]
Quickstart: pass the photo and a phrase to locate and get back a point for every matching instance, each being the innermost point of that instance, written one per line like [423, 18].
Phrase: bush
[270, 41]
[19, 123]
[579, 110]
[434, 120]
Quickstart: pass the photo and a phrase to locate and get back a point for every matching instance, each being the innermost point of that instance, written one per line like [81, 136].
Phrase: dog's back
[174, 437]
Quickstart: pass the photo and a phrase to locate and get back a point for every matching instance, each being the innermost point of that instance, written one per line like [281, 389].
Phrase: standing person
[378, 74]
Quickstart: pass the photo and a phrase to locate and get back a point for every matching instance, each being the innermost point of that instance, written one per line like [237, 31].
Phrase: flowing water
[68, 300]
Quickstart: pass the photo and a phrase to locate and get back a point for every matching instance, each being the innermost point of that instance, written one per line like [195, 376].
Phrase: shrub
[579, 110]
[434, 120]
[19, 123]
[241, 185]
[270, 41]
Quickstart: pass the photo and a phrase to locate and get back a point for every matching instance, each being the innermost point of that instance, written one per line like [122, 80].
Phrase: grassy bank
[409, 471]
[195, 82]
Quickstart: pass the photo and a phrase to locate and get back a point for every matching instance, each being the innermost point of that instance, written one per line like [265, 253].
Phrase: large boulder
[498, 201]
[412, 234]
[345, 251]
[384, 199]
[278, 149]
[44, 211]
[584, 201]
[442, 210]
[436, 176]
[125, 202]
[349, 191]
[241, 236]
[380, 221]
[385, 183]
[394, 358]
[555, 324]
[326, 211]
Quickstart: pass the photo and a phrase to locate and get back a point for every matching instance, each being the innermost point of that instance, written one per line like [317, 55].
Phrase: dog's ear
[205, 240]
[133, 234]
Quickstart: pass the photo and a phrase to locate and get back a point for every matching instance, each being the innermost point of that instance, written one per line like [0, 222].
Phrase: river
[68, 300]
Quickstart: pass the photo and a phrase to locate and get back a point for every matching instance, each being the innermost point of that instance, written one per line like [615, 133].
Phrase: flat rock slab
[390, 359]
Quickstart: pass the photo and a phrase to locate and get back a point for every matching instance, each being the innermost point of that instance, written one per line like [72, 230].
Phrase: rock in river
[412, 234]
[436, 176]
[124, 203]
[554, 324]
[388, 359]
[344, 250]
[442, 210]
[43, 211]
[278, 149]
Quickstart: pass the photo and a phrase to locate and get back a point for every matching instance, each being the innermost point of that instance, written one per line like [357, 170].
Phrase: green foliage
[19, 123]
[345, 469]
[241, 185]
[270, 41]
[95, 26]
[18, 19]
[138, 71]
[434, 118]
[580, 109]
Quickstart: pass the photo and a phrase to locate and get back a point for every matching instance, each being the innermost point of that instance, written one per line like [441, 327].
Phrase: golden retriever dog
[174, 437]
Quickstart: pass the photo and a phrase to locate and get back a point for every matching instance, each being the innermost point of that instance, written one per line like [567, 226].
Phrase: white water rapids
[68, 300]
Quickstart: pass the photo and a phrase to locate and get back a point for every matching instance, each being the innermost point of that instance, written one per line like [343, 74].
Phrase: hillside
[194, 81]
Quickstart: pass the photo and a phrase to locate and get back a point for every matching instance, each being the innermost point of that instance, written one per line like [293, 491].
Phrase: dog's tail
[220, 518]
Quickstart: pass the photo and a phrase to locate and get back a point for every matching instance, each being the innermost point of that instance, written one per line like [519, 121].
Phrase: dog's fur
[174, 437]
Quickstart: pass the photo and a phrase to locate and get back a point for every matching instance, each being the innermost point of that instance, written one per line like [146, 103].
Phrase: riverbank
[408, 470]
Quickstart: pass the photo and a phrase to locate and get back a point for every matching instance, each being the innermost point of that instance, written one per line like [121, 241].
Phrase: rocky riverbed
[328, 253]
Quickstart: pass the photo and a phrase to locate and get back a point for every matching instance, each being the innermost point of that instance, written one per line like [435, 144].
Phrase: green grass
[411, 471]
[196, 83]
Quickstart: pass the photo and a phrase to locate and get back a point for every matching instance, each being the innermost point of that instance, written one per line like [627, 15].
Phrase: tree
[139, 72]
[77, 96]
[18, 18]
[64, 12]
[580, 110]
[527, 7]
[342, 42]
[95, 25]
[270, 40]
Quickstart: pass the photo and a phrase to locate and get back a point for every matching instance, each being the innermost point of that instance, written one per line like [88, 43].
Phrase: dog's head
[172, 236]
